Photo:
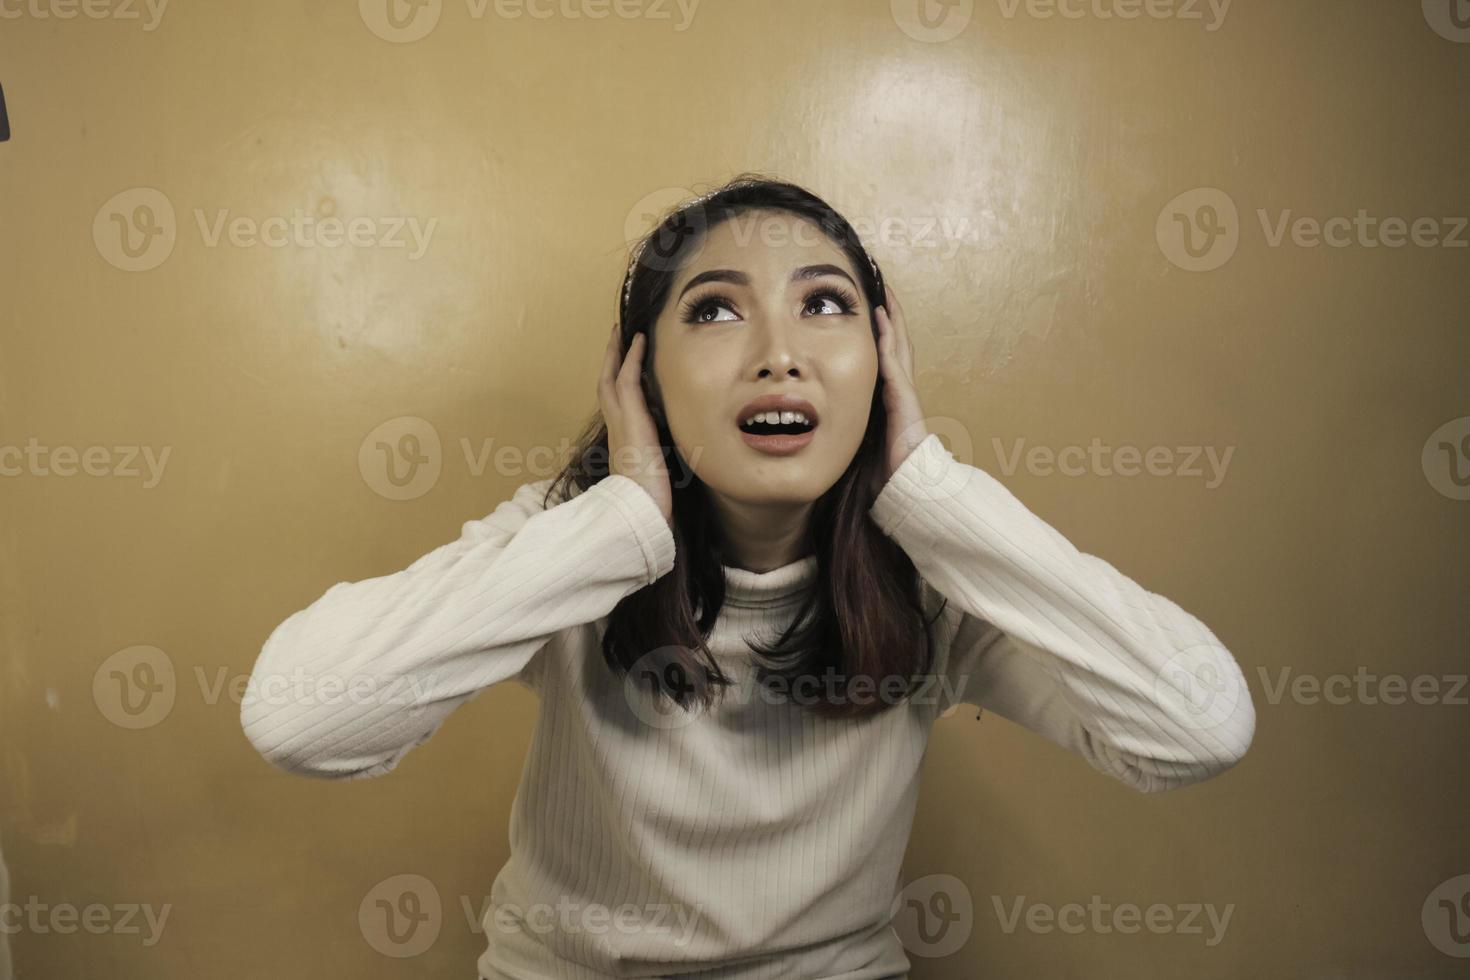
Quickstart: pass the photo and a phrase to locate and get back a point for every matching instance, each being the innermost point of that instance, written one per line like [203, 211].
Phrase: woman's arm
[1060, 641]
[347, 686]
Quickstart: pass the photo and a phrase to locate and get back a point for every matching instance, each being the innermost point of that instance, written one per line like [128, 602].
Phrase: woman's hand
[632, 436]
[906, 428]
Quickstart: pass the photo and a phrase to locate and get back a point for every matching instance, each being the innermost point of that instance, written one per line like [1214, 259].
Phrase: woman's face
[784, 316]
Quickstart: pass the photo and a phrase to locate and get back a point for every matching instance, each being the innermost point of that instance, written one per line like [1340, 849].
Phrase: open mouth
[777, 433]
[763, 426]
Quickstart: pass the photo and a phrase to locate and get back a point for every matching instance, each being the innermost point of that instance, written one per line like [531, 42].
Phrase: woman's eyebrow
[738, 278]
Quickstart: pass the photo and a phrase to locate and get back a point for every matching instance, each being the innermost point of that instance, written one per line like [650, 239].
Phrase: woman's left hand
[906, 428]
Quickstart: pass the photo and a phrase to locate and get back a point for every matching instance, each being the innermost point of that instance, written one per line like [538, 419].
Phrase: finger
[905, 347]
[900, 355]
[893, 301]
[628, 374]
[887, 353]
[610, 358]
[903, 343]
[900, 322]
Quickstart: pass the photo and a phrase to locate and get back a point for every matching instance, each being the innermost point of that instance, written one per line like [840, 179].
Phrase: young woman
[741, 626]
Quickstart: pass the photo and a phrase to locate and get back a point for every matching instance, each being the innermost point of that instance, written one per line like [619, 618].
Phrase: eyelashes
[694, 307]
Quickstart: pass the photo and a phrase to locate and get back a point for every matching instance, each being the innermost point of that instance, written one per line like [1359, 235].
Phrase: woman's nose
[776, 344]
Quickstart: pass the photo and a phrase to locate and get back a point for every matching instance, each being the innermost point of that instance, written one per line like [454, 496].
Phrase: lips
[778, 445]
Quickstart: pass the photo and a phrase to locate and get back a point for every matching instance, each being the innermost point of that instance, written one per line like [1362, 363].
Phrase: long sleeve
[347, 686]
[1060, 641]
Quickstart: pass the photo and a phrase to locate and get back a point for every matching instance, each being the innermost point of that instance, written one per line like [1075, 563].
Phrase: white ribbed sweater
[757, 840]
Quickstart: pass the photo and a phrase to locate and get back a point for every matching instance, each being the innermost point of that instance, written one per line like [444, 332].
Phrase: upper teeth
[778, 418]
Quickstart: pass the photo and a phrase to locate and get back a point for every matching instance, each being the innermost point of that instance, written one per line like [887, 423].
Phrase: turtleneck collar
[746, 588]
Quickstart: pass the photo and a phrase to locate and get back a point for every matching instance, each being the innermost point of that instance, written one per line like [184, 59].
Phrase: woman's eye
[835, 302]
[709, 306]
[823, 302]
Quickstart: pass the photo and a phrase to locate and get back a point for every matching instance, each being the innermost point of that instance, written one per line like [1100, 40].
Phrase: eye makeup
[695, 306]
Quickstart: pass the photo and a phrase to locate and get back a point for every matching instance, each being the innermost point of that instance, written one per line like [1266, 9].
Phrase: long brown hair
[864, 616]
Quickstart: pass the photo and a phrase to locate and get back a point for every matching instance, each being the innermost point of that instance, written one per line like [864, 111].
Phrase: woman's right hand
[632, 436]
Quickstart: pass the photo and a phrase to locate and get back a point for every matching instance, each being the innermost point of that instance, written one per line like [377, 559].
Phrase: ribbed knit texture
[756, 840]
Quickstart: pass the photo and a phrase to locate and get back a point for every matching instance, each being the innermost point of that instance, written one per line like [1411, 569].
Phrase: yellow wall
[1053, 301]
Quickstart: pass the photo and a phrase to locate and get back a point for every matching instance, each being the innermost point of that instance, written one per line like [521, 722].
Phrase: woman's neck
[762, 537]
